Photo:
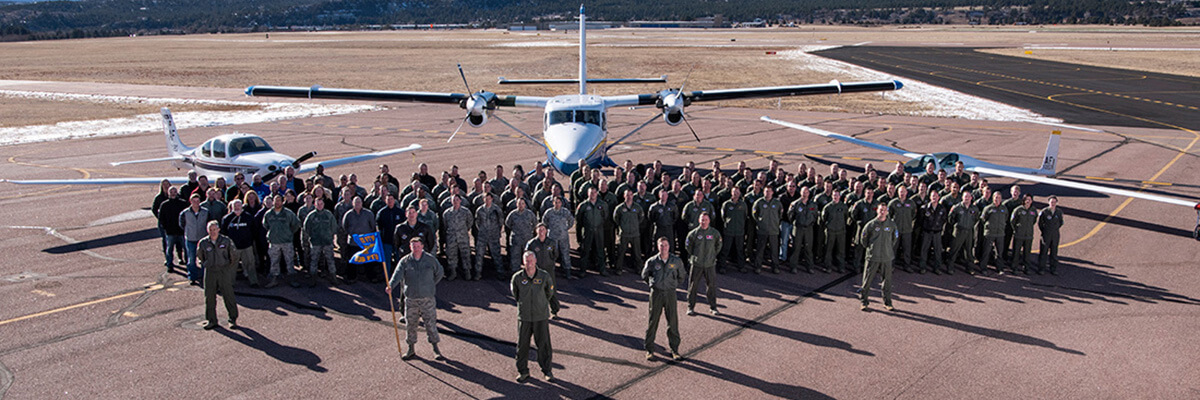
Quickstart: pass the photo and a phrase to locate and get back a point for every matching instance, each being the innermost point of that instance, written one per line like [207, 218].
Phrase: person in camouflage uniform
[489, 219]
[520, 223]
[459, 221]
[559, 220]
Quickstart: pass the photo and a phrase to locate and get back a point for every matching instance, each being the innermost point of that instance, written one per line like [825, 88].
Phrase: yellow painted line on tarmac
[774, 153]
[851, 158]
[1157, 183]
[41, 292]
[684, 147]
[885, 130]
[90, 302]
[1100, 178]
[724, 149]
[1130, 199]
[651, 144]
[1052, 98]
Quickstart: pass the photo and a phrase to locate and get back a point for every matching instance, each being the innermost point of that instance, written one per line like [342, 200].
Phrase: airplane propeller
[672, 102]
[275, 171]
[478, 105]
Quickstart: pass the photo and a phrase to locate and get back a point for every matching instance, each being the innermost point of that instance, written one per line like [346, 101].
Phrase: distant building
[716, 21]
[573, 26]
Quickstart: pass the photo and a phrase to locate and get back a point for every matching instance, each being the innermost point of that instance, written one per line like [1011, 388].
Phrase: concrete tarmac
[90, 312]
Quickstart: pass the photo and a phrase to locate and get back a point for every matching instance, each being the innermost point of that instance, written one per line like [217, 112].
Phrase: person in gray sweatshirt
[194, 221]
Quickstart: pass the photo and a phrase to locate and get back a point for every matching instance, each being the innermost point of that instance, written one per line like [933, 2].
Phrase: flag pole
[387, 279]
[392, 304]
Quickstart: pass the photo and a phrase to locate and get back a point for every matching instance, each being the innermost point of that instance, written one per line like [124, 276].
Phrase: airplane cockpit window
[218, 148]
[587, 117]
[561, 117]
[206, 150]
[248, 145]
[948, 160]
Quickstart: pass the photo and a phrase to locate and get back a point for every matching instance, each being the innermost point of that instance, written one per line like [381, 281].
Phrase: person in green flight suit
[664, 273]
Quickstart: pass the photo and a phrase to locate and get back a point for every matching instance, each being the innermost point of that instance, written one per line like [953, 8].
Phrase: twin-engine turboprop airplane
[946, 161]
[221, 156]
[574, 127]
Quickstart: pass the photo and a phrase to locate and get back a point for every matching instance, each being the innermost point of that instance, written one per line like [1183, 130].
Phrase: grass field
[425, 60]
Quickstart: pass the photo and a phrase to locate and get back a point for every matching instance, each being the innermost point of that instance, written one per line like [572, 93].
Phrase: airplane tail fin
[582, 52]
[1049, 163]
[175, 147]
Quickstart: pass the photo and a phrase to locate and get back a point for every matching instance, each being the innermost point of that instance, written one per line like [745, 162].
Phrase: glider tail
[1049, 163]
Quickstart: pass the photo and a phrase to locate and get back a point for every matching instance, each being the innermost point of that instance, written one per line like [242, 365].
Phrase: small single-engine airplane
[221, 156]
[574, 127]
[946, 161]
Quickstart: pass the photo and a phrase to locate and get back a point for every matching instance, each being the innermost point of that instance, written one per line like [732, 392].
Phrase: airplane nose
[571, 143]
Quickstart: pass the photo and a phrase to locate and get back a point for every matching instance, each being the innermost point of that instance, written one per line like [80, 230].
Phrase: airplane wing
[317, 92]
[834, 87]
[842, 137]
[353, 159]
[107, 181]
[1085, 186]
[172, 158]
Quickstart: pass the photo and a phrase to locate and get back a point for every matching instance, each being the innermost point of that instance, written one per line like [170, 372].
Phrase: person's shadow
[278, 351]
[782, 390]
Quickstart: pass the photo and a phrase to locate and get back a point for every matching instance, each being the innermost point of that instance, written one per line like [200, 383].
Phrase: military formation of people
[698, 222]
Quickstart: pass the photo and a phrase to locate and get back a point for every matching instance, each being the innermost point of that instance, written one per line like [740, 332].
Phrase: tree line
[93, 18]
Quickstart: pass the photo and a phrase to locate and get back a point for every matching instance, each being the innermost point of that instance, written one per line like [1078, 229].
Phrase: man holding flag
[418, 274]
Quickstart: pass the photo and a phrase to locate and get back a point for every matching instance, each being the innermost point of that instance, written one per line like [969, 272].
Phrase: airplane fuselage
[945, 161]
[226, 155]
[574, 128]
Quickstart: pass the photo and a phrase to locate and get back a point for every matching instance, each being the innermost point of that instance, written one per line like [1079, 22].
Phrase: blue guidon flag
[369, 242]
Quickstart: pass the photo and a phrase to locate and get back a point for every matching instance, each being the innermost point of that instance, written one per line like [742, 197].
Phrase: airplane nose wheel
[1196, 232]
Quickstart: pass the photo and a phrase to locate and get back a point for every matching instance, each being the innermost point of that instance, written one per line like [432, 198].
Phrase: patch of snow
[265, 112]
[938, 101]
[546, 43]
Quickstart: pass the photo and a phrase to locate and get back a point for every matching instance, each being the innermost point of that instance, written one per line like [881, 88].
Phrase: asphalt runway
[89, 312]
[1078, 94]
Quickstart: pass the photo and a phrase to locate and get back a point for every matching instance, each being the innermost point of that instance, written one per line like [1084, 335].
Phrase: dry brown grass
[1167, 62]
[425, 60]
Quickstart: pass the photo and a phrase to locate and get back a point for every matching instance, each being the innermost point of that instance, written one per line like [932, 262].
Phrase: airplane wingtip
[250, 90]
[898, 84]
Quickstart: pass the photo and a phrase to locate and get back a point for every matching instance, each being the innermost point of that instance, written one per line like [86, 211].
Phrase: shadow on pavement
[135, 236]
[281, 352]
[804, 337]
[979, 330]
[776, 389]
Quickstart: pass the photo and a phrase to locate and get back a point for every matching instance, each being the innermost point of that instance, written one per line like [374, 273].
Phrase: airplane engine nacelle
[477, 120]
[673, 118]
[478, 107]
